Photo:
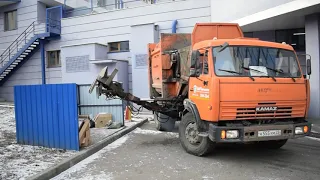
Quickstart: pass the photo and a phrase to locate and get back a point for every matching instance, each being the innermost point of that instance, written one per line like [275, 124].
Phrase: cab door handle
[205, 83]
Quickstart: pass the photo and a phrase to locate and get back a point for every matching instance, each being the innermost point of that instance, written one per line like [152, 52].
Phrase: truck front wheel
[275, 144]
[190, 141]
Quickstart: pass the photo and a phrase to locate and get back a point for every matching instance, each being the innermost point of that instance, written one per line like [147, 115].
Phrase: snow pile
[141, 117]
[146, 131]
[155, 132]
[21, 161]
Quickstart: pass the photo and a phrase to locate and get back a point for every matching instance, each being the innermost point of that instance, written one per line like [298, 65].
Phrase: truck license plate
[269, 133]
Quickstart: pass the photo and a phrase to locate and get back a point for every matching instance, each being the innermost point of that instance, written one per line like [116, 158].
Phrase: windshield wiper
[235, 72]
[259, 72]
[281, 71]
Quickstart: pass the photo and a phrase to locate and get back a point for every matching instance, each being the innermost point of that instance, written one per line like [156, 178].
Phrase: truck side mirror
[308, 66]
[194, 63]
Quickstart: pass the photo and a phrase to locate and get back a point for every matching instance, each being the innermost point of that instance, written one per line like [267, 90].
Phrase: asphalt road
[147, 154]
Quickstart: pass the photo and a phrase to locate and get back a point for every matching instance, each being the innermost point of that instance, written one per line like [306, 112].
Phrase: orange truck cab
[231, 88]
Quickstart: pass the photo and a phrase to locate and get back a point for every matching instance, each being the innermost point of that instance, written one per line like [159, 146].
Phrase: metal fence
[47, 115]
[89, 104]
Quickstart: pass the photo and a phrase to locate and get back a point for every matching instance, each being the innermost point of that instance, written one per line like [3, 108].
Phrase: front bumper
[250, 133]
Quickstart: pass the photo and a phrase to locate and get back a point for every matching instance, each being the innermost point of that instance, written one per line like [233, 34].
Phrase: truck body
[223, 87]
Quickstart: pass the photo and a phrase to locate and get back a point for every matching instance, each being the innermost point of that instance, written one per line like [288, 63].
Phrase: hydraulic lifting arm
[105, 85]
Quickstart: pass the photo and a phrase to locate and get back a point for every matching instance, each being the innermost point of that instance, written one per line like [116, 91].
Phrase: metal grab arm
[105, 85]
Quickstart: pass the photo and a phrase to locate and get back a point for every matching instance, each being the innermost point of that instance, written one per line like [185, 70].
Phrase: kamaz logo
[265, 109]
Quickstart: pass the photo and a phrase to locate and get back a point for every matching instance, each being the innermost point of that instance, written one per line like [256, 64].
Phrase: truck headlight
[232, 134]
[298, 130]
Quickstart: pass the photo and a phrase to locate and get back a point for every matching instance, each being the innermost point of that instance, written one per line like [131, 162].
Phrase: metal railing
[17, 44]
[81, 7]
[52, 26]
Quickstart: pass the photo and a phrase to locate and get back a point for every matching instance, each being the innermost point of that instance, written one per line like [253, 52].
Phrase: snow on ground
[98, 134]
[146, 131]
[84, 165]
[20, 161]
[154, 132]
[313, 138]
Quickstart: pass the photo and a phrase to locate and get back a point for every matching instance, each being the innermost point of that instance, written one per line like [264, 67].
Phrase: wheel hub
[192, 133]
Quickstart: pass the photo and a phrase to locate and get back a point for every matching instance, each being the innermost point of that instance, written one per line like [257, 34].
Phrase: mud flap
[163, 122]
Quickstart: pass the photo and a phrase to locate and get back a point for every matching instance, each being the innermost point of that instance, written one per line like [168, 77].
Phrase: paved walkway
[149, 154]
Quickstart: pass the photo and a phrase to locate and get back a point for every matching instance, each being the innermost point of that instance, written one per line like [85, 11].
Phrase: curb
[315, 135]
[66, 164]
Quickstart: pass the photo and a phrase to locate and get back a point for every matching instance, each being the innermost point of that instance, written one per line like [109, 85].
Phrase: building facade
[97, 33]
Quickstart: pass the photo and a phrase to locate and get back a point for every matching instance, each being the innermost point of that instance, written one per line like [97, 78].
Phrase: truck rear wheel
[190, 141]
[163, 122]
[275, 144]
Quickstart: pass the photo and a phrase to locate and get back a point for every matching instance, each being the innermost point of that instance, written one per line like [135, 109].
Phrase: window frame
[296, 59]
[57, 59]
[6, 21]
[205, 63]
[119, 47]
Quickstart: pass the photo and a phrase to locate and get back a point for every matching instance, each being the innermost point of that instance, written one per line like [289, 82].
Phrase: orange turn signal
[305, 129]
[223, 134]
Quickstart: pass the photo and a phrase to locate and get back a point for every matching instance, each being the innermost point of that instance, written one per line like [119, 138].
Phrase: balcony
[82, 7]
[8, 2]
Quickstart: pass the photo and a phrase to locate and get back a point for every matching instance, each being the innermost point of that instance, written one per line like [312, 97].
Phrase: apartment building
[69, 41]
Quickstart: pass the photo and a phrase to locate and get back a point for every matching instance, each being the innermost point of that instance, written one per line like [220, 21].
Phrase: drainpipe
[121, 1]
[174, 26]
[43, 61]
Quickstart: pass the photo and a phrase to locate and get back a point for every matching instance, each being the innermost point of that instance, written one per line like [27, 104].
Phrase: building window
[53, 59]
[248, 34]
[10, 20]
[294, 37]
[119, 46]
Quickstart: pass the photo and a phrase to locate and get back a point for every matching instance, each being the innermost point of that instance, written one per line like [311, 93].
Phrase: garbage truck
[223, 88]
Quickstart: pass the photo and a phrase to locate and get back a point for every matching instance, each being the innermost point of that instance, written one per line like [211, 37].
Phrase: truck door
[199, 86]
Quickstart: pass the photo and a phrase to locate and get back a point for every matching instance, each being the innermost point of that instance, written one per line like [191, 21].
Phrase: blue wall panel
[47, 115]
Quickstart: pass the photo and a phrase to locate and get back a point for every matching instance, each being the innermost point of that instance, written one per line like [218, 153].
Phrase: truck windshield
[255, 62]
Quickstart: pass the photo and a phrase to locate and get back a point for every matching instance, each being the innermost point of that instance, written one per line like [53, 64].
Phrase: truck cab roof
[241, 42]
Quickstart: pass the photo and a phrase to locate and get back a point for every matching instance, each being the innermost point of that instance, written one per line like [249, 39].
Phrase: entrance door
[53, 20]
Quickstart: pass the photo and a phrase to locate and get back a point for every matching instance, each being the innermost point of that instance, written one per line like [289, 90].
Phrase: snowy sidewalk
[22, 161]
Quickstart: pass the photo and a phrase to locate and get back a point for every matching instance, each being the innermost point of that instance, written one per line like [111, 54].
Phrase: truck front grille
[250, 113]
[247, 110]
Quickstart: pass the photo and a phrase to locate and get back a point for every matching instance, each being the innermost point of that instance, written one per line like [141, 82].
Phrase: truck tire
[163, 122]
[189, 139]
[275, 144]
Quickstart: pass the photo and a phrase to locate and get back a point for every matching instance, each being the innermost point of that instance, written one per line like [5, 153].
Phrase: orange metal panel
[160, 65]
[207, 31]
[255, 91]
